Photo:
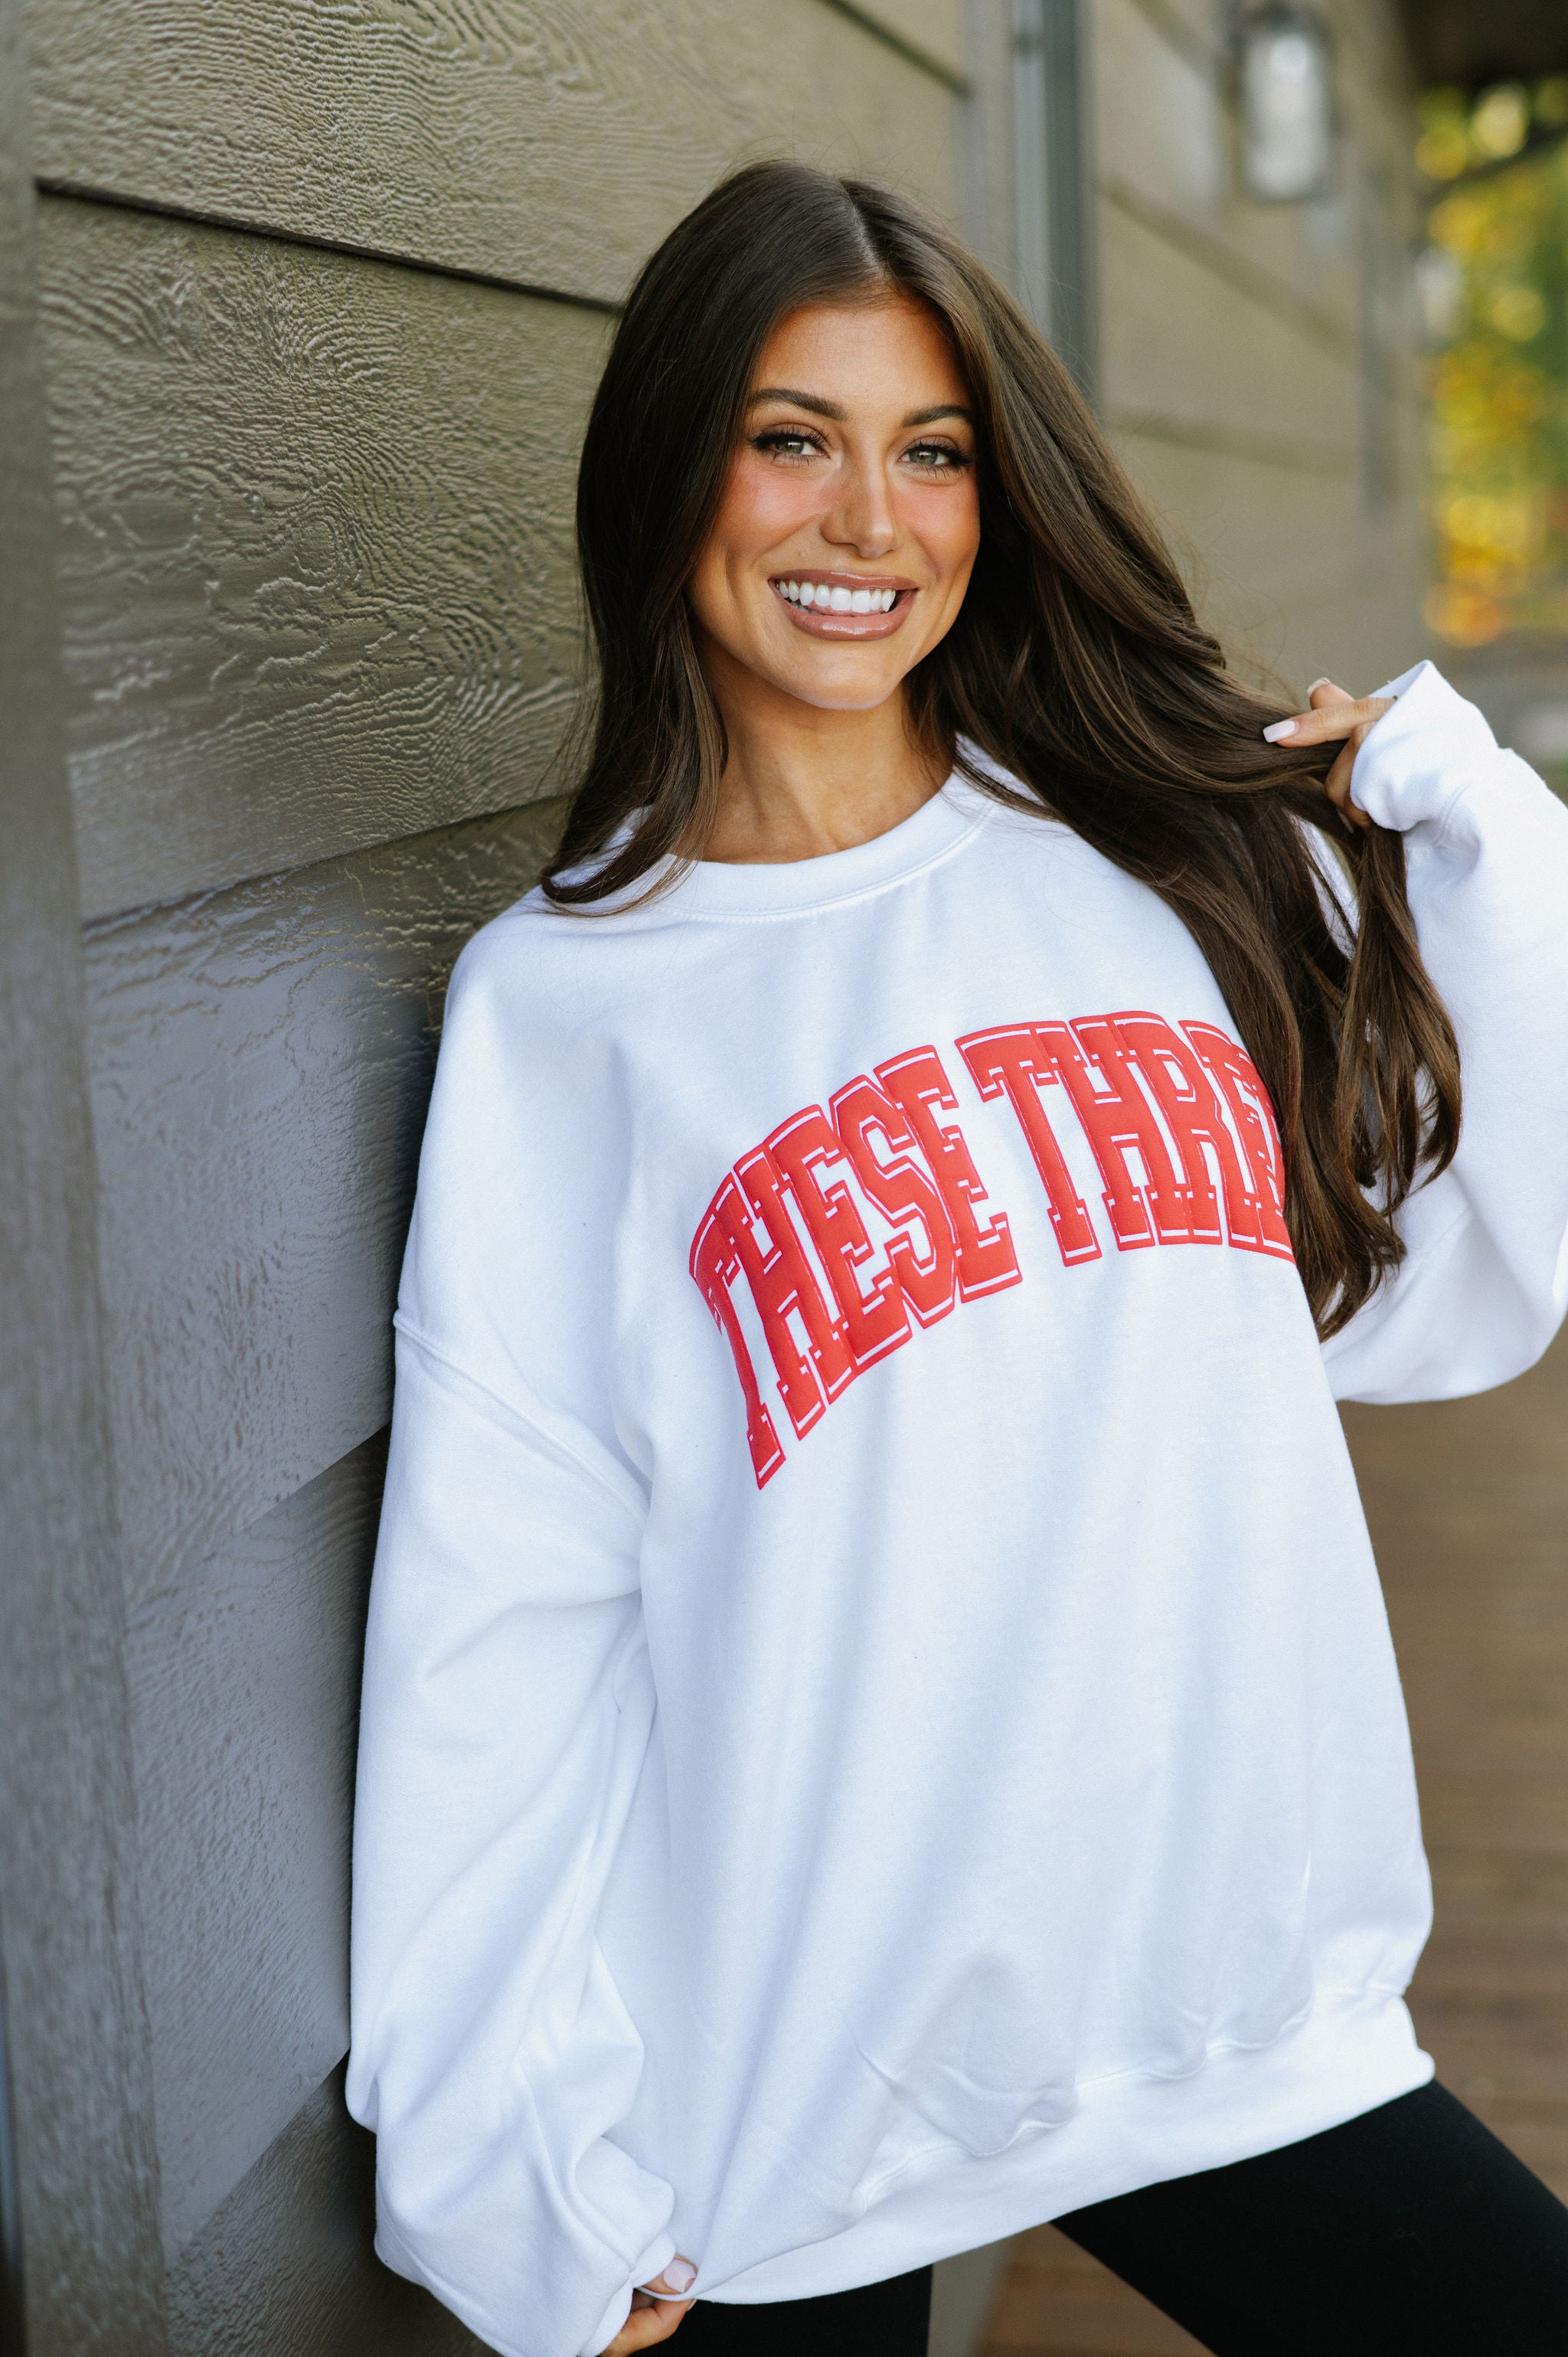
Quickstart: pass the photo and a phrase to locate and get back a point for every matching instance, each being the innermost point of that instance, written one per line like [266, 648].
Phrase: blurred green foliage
[1494, 286]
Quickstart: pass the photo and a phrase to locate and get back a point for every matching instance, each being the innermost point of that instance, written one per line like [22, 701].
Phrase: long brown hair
[1076, 664]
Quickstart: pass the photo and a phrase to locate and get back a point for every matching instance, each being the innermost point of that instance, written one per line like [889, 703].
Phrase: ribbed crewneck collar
[713, 887]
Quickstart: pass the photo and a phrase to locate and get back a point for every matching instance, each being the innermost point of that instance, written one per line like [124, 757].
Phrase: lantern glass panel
[1287, 107]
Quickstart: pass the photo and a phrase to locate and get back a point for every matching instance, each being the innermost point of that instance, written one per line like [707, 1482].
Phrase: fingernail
[1281, 728]
[1324, 682]
[680, 2275]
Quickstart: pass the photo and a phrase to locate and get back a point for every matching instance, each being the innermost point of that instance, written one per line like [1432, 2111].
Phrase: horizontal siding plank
[1191, 28]
[286, 2263]
[1259, 446]
[245, 1675]
[316, 547]
[1288, 565]
[1159, 109]
[550, 144]
[260, 1062]
[931, 32]
[1164, 318]
[1269, 295]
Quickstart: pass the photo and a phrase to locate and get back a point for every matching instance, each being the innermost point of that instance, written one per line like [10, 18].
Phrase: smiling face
[851, 517]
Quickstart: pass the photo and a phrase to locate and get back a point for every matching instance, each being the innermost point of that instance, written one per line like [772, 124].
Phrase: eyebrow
[820, 407]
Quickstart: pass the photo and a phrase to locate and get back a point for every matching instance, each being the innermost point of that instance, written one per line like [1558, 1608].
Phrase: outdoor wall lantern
[1287, 78]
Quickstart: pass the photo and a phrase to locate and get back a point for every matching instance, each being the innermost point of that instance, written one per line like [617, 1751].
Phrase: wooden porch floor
[1469, 1504]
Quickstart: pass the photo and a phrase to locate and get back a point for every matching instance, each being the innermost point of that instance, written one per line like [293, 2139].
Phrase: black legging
[1408, 2233]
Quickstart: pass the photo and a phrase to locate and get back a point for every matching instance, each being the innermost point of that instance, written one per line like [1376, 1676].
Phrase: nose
[861, 516]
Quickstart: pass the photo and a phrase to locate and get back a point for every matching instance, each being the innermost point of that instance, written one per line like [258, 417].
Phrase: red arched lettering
[986, 1260]
[716, 1265]
[811, 1360]
[1194, 1112]
[1117, 1119]
[1010, 1059]
[903, 1193]
[1241, 1085]
[784, 1287]
[1184, 1095]
[875, 1322]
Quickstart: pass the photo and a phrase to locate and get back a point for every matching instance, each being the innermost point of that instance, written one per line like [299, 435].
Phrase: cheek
[965, 527]
[946, 525]
[761, 506]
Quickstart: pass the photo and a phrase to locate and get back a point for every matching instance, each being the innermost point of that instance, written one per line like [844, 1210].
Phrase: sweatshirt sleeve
[1485, 1283]
[507, 1711]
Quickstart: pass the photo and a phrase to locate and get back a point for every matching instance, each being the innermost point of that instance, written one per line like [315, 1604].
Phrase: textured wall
[1257, 368]
[78, 2216]
[324, 291]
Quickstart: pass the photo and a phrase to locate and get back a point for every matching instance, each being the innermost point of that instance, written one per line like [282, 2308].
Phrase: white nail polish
[680, 2275]
[1281, 728]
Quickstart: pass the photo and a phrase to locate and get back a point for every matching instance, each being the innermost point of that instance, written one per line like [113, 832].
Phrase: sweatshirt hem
[1355, 2050]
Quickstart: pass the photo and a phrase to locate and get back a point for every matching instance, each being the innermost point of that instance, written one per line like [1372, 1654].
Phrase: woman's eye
[786, 442]
[934, 458]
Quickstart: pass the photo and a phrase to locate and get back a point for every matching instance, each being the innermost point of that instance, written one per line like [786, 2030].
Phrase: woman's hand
[1335, 713]
[655, 2319]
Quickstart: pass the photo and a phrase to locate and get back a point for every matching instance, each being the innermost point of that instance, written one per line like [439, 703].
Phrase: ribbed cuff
[1422, 756]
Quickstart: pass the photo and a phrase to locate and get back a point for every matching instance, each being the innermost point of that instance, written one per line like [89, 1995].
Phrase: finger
[656, 2308]
[1329, 722]
[1324, 690]
[646, 2327]
[678, 2277]
[1337, 783]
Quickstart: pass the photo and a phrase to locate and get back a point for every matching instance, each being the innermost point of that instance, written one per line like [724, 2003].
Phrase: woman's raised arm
[1484, 1285]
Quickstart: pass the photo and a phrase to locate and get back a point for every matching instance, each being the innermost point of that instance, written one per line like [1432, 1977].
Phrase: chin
[846, 703]
[842, 695]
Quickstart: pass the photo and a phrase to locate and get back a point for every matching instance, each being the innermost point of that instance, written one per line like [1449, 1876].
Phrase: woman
[880, 1727]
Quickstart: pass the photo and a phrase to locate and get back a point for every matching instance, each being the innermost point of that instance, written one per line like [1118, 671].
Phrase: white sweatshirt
[879, 1721]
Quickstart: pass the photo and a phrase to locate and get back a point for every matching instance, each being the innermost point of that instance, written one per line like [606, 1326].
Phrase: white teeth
[837, 600]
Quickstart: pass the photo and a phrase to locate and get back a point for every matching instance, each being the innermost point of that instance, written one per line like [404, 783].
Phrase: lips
[844, 605]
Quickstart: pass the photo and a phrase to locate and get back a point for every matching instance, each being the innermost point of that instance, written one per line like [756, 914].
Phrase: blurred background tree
[1493, 282]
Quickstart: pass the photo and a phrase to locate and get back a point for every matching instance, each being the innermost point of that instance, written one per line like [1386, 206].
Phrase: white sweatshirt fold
[1486, 1284]
[879, 1723]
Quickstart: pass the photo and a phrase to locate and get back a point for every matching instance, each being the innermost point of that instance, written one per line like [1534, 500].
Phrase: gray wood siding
[545, 145]
[1235, 341]
[316, 540]
[243, 1671]
[285, 2267]
[261, 1060]
[324, 291]
[79, 2255]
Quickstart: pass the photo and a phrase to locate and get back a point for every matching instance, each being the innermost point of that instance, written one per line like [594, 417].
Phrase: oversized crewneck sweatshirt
[879, 1721]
